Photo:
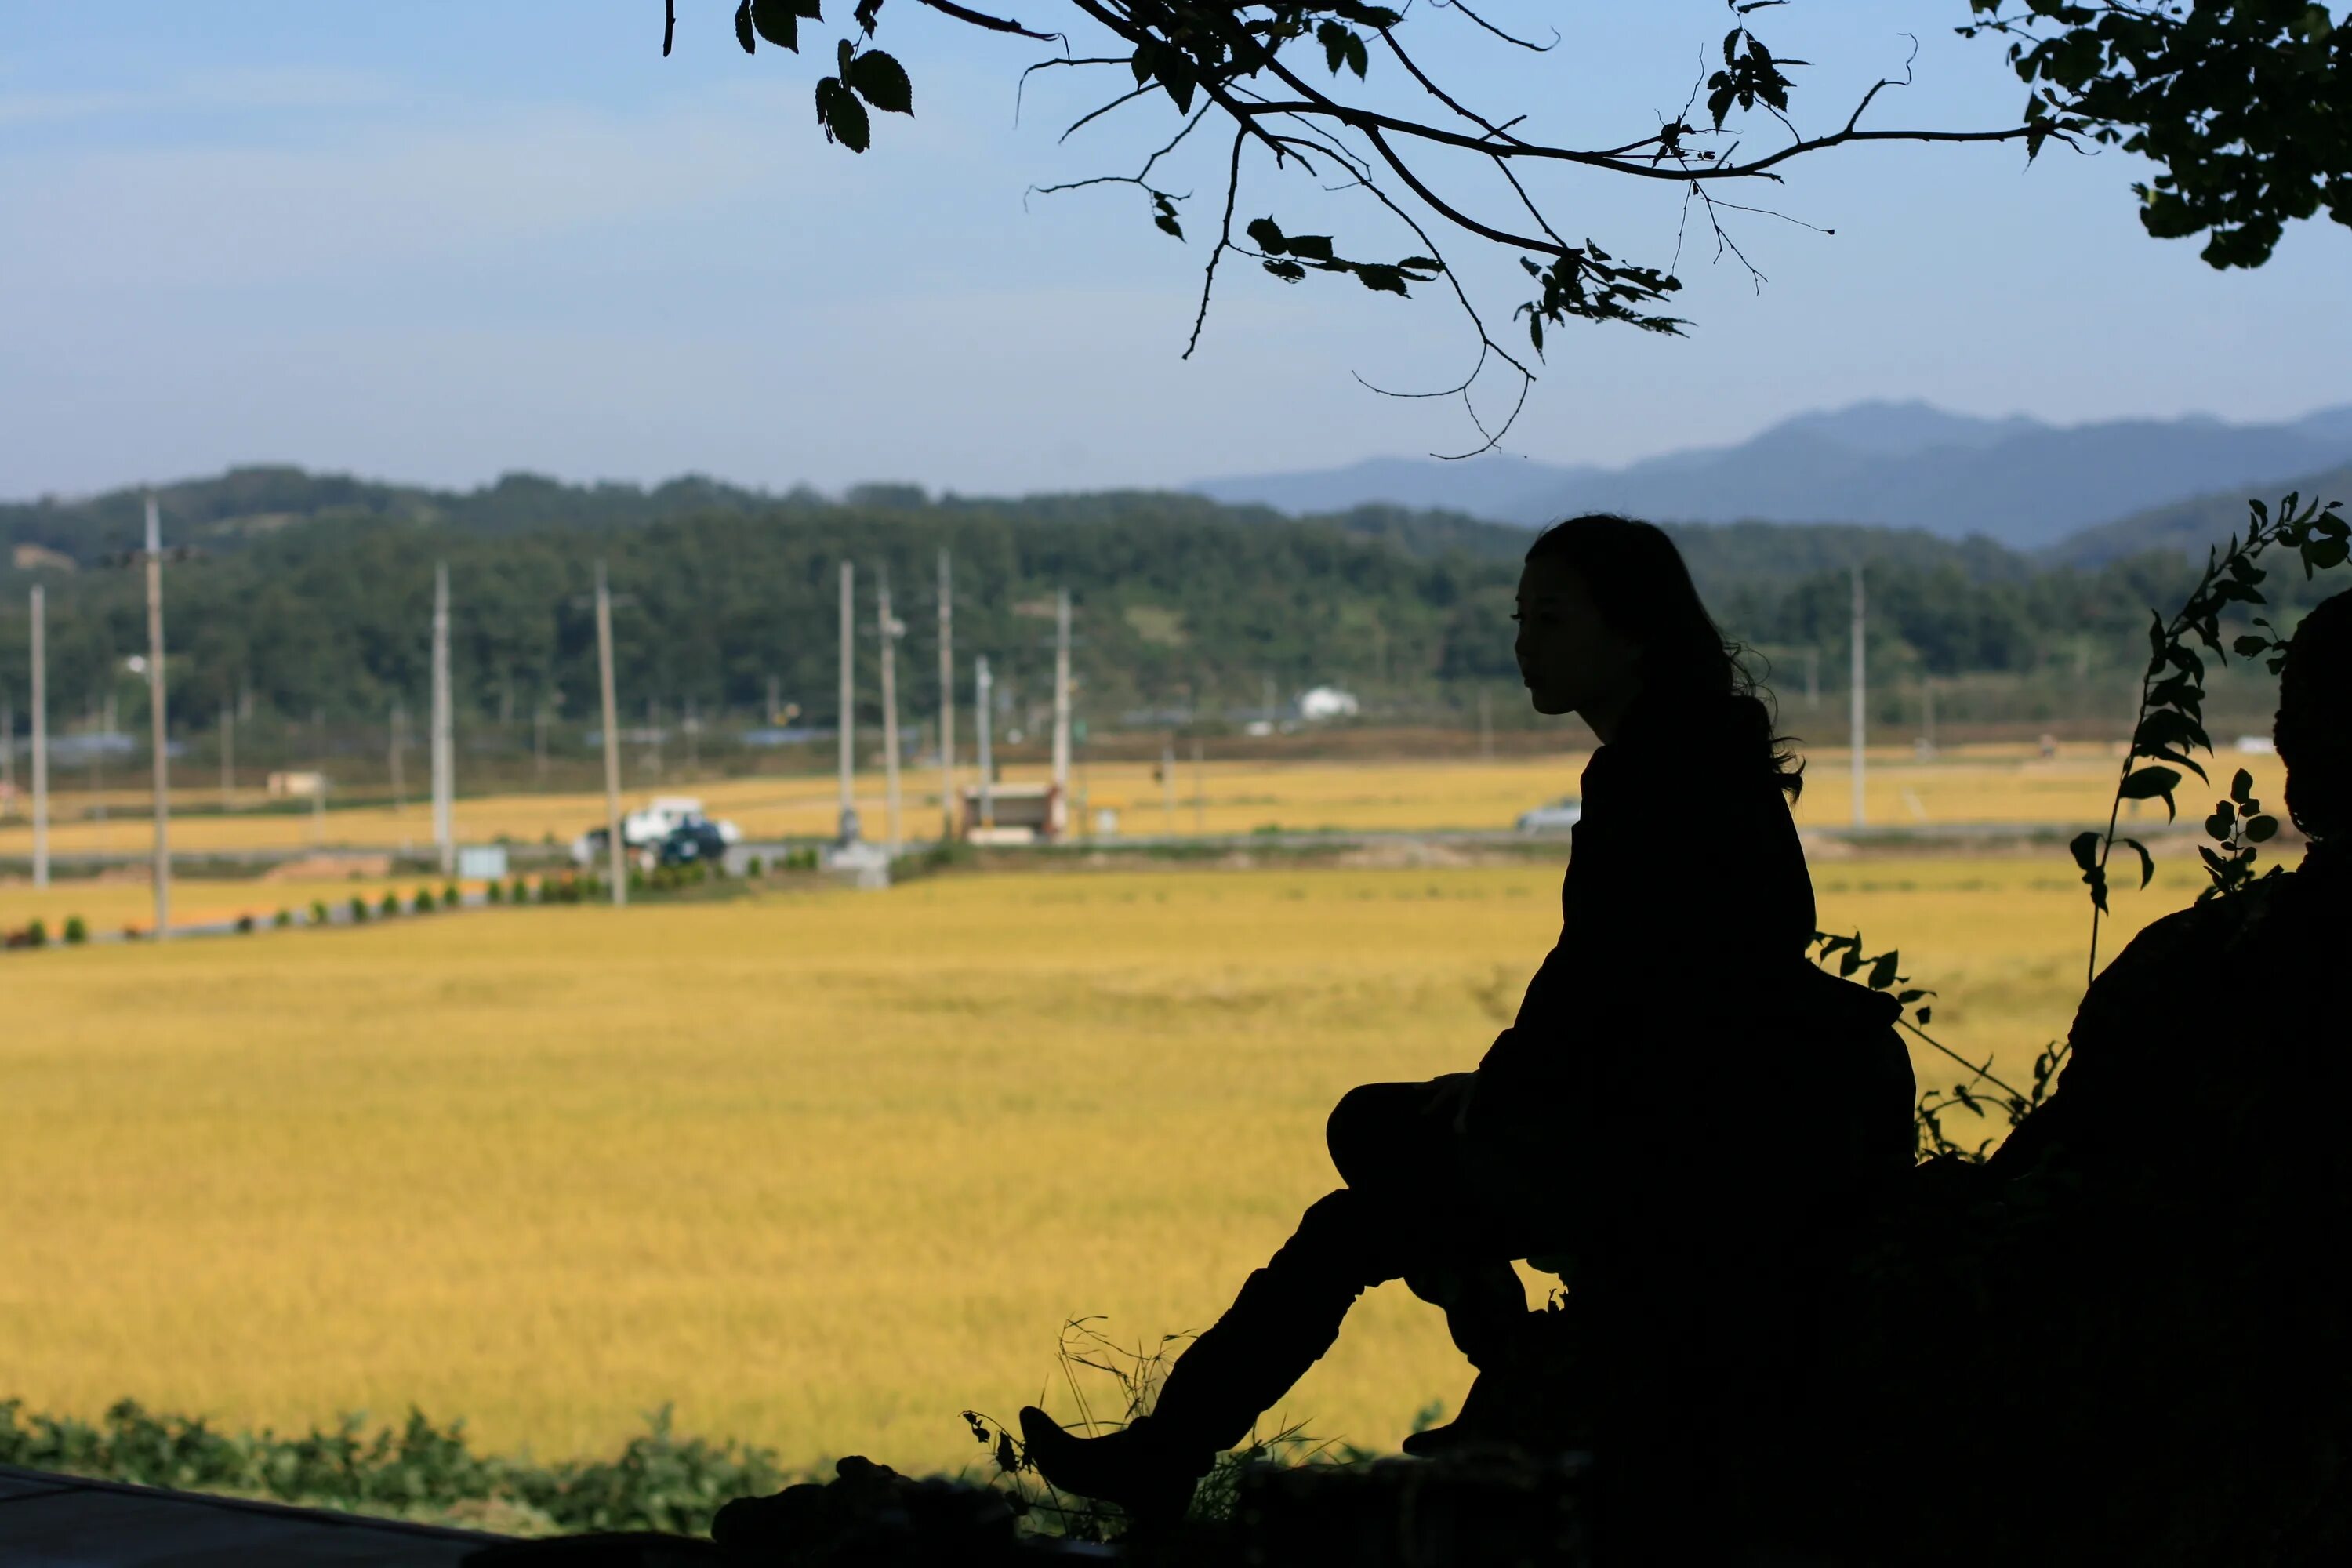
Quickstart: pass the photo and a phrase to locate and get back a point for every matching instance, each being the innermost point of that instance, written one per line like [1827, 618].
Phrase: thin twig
[1224, 243]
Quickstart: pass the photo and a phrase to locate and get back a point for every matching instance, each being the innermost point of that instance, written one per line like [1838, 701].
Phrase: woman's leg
[1397, 1141]
[1413, 1216]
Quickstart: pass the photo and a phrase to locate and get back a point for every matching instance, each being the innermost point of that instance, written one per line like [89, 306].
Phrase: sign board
[482, 863]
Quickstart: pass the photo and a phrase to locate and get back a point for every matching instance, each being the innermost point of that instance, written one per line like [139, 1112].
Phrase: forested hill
[315, 592]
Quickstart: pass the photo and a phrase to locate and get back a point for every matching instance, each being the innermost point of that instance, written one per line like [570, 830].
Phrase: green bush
[422, 903]
[359, 910]
[318, 911]
[521, 893]
[37, 934]
[285, 918]
[451, 898]
[496, 892]
[390, 904]
[245, 925]
[755, 867]
[77, 930]
[657, 1481]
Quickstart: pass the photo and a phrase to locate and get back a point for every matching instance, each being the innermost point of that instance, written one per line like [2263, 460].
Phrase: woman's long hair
[1643, 592]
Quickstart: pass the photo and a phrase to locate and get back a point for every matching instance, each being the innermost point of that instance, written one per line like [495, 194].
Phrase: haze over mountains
[2019, 481]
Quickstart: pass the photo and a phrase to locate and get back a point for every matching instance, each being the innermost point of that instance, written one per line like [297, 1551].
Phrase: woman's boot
[1145, 1469]
[1284, 1318]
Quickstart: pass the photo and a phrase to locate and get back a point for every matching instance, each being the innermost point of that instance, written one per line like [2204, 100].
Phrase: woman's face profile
[1571, 659]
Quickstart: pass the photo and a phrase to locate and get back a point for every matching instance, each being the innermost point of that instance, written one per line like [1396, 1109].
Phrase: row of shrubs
[657, 1481]
[569, 889]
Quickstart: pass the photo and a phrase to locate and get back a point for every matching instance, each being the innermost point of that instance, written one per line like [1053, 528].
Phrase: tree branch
[994, 24]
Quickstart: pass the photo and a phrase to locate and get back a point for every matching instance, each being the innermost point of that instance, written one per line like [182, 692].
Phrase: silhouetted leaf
[779, 22]
[844, 118]
[743, 27]
[1288, 271]
[1267, 236]
[2085, 846]
[2149, 784]
[1312, 246]
[2146, 861]
[1882, 971]
[2260, 828]
[1334, 39]
[1382, 279]
[882, 82]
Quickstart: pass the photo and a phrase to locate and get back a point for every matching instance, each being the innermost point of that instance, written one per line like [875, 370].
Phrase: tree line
[311, 595]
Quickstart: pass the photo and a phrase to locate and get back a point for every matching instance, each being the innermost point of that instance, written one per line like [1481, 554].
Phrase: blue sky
[443, 240]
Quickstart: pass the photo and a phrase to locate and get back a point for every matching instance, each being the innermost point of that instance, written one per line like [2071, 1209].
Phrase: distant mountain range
[2018, 481]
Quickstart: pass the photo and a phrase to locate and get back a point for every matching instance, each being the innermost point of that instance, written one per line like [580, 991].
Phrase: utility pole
[612, 740]
[40, 741]
[1167, 785]
[981, 694]
[1061, 713]
[399, 746]
[1855, 713]
[847, 725]
[1200, 792]
[157, 724]
[890, 632]
[444, 772]
[947, 700]
[228, 755]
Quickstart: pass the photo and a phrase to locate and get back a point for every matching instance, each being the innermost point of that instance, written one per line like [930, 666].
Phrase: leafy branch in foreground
[2245, 107]
[2170, 722]
[1291, 80]
[1881, 972]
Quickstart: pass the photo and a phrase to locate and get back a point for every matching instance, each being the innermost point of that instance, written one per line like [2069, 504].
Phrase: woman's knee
[1373, 1132]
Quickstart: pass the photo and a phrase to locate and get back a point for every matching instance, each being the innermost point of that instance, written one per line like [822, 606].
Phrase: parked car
[690, 842]
[1559, 816]
[646, 830]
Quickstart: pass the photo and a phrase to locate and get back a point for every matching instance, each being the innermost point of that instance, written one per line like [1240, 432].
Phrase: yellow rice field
[1965, 785]
[822, 1168]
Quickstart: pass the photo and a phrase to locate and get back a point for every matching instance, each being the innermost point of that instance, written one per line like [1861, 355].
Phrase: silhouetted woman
[1613, 1126]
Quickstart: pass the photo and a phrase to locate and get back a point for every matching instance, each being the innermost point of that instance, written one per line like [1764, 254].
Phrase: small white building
[1320, 704]
[1015, 814]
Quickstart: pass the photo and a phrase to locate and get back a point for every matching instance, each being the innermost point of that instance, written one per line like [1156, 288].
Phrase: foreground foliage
[657, 1481]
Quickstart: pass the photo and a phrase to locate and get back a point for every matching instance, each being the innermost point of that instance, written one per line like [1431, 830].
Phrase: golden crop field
[823, 1168]
[1964, 784]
